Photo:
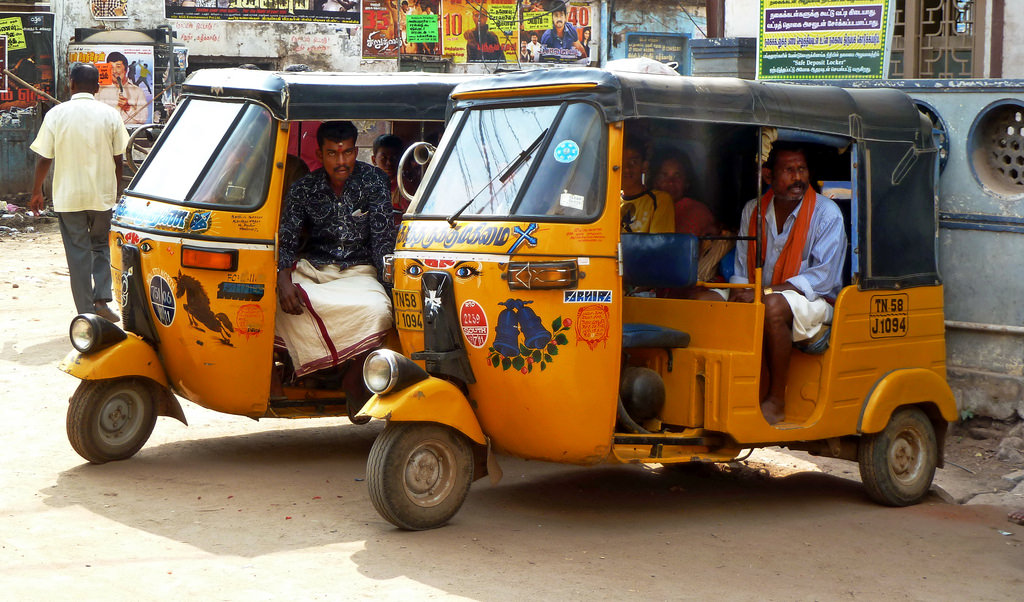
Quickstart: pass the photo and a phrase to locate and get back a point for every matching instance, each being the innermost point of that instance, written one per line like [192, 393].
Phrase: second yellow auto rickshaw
[533, 326]
[193, 247]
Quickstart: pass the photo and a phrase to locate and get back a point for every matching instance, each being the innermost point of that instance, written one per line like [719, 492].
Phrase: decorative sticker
[197, 307]
[523, 236]
[131, 238]
[585, 296]
[162, 218]
[889, 315]
[161, 297]
[571, 201]
[538, 345]
[474, 323]
[592, 325]
[249, 320]
[429, 235]
[567, 151]
[240, 291]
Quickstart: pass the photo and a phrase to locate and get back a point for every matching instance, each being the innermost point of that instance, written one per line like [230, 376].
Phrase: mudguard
[912, 386]
[430, 400]
[130, 357]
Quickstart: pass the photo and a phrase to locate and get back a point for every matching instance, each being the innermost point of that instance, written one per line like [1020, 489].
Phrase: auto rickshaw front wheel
[419, 474]
[111, 419]
[897, 465]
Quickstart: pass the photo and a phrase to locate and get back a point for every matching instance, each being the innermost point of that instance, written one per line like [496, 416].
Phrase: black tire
[897, 465]
[419, 474]
[111, 419]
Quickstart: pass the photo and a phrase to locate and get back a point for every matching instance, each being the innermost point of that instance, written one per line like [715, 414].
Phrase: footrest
[636, 336]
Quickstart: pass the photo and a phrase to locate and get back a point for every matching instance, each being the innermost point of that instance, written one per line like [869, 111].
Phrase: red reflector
[209, 259]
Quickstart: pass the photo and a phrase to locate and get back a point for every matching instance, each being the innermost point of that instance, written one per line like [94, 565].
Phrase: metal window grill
[936, 39]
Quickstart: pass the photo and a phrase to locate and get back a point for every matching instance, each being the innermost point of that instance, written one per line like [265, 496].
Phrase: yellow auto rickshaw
[193, 246]
[533, 326]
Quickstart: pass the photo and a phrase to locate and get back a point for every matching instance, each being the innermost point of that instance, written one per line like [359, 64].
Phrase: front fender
[912, 386]
[130, 357]
[430, 400]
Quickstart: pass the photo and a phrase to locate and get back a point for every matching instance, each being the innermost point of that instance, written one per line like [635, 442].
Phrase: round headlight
[380, 371]
[83, 334]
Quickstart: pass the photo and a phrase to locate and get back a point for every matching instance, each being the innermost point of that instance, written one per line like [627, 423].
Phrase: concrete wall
[1013, 36]
[742, 18]
[643, 16]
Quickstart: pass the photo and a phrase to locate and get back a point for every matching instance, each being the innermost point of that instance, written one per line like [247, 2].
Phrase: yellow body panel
[903, 387]
[431, 400]
[216, 327]
[130, 357]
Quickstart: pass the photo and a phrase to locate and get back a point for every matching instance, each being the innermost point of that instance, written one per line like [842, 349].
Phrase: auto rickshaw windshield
[214, 153]
[495, 151]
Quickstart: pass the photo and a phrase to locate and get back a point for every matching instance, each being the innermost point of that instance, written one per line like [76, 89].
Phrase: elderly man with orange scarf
[804, 251]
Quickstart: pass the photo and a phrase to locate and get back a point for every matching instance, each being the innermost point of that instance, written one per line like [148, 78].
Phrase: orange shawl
[788, 264]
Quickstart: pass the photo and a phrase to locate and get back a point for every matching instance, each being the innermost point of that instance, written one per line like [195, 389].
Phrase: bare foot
[1016, 516]
[773, 411]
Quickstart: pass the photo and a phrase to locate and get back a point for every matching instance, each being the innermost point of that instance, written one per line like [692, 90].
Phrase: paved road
[232, 509]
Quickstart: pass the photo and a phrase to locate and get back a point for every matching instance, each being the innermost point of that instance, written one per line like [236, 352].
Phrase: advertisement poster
[381, 39]
[480, 31]
[824, 39]
[311, 11]
[562, 34]
[29, 56]
[420, 23]
[109, 10]
[126, 77]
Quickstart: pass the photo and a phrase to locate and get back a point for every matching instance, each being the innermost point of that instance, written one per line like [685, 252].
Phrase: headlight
[90, 333]
[385, 371]
[83, 334]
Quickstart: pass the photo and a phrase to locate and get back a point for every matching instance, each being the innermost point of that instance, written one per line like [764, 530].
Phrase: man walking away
[84, 139]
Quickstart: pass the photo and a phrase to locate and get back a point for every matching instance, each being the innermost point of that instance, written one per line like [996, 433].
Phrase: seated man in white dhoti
[332, 306]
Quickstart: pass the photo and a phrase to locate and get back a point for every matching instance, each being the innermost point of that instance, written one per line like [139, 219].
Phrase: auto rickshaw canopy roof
[895, 217]
[323, 96]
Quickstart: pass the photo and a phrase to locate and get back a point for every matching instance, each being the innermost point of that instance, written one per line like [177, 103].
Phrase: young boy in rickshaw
[803, 252]
[333, 308]
[644, 211]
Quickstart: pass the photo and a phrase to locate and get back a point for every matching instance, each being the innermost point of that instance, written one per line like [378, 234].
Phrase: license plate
[889, 316]
[408, 312]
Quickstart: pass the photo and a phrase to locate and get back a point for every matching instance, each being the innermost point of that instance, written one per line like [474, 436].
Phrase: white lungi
[344, 313]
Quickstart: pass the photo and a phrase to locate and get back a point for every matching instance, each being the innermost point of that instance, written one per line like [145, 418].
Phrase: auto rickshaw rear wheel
[897, 465]
[111, 419]
[419, 474]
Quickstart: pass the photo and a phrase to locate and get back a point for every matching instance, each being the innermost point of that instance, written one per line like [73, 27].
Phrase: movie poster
[311, 11]
[3, 63]
[481, 31]
[381, 39]
[560, 34]
[126, 77]
[29, 56]
[421, 27]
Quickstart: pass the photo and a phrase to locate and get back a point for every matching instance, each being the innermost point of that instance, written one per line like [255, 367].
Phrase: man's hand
[288, 293]
[37, 203]
[123, 104]
[742, 295]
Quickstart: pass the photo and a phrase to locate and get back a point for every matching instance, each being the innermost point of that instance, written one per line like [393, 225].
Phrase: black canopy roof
[878, 114]
[324, 96]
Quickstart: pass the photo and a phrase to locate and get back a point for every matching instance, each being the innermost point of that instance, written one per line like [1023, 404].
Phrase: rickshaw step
[302, 403]
[654, 439]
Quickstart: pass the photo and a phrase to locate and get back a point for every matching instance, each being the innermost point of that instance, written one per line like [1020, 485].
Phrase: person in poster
[381, 39]
[122, 93]
[561, 43]
[482, 45]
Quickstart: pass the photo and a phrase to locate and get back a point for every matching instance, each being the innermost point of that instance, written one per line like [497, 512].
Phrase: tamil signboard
[824, 39]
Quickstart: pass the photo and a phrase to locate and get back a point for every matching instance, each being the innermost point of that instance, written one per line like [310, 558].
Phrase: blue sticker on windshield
[567, 151]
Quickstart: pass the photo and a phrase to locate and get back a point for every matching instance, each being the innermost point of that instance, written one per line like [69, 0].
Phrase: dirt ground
[233, 509]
